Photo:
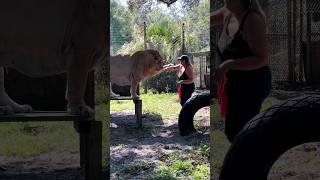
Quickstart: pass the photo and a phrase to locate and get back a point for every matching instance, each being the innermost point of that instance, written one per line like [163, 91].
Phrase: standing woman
[244, 73]
[185, 84]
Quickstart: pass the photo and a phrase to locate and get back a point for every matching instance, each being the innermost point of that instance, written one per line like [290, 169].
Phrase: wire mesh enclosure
[201, 63]
[172, 35]
[293, 31]
[277, 33]
[306, 29]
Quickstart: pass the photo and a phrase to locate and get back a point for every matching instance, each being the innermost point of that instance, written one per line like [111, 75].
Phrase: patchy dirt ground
[53, 166]
[301, 162]
[136, 153]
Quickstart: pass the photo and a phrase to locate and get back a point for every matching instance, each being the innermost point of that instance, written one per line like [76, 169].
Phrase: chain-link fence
[293, 31]
[306, 28]
[200, 57]
[277, 33]
[201, 64]
[179, 46]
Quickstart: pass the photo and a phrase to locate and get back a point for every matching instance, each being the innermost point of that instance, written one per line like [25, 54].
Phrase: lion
[131, 70]
[54, 37]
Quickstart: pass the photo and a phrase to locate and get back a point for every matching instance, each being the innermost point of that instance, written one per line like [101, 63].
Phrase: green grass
[135, 168]
[220, 147]
[164, 173]
[165, 104]
[35, 138]
[49, 136]
[189, 164]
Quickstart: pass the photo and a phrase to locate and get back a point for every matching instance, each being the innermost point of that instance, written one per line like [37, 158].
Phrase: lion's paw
[5, 100]
[82, 110]
[135, 97]
[6, 110]
[25, 108]
[114, 95]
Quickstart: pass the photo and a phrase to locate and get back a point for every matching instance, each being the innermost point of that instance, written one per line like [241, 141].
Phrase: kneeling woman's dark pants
[244, 102]
[186, 92]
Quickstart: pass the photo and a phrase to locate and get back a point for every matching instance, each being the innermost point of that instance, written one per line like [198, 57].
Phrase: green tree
[164, 31]
[119, 27]
[198, 28]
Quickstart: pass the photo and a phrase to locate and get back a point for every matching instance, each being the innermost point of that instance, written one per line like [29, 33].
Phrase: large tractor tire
[270, 134]
[188, 111]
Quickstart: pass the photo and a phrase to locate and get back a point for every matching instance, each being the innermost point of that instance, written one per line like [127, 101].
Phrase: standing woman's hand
[171, 67]
[220, 73]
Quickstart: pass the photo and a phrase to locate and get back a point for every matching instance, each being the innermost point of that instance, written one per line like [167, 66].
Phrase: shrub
[165, 82]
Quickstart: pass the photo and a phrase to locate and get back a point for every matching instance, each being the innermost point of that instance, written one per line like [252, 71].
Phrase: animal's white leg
[77, 75]
[7, 105]
[112, 94]
[133, 89]
[89, 37]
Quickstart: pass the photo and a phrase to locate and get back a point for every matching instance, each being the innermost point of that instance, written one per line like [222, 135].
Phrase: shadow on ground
[52, 166]
[135, 152]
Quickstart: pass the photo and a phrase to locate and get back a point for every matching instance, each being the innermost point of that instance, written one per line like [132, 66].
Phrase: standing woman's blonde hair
[254, 5]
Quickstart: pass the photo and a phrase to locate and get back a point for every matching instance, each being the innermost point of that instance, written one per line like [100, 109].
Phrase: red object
[223, 97]
[179, 91]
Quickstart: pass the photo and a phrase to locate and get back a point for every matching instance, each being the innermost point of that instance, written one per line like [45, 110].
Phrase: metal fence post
[183, 48]
[308, 45]
[289, 20]
[145, 47]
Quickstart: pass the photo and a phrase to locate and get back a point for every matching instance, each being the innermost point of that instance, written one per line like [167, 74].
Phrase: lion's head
[155, 63]
[146, 63]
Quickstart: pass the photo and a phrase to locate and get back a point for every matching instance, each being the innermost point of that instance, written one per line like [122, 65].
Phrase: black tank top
[184, 76]
[239, 48]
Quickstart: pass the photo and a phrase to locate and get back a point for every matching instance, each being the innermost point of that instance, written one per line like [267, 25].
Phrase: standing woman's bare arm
[256, 36]
[172, 68]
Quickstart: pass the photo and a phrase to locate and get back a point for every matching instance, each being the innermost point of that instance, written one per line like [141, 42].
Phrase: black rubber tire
[189, 109]
[270, 134]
